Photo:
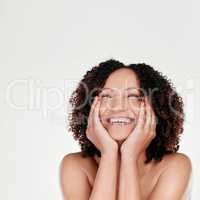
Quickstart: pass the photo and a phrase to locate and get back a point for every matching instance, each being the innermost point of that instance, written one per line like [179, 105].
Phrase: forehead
[122, 80]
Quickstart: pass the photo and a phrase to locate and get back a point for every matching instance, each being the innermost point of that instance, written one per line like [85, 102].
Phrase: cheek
[104, 105]
[134, 106]
[102, 110]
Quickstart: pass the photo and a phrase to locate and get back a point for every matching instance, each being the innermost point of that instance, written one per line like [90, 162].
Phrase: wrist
[110, 153]
[129, 157]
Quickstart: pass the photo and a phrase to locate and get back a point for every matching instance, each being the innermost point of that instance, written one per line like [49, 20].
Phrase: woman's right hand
[96, 132]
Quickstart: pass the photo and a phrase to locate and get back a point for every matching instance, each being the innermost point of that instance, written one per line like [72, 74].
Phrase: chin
[119, 133]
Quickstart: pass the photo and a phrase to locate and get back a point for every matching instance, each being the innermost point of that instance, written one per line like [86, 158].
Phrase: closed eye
[139, 98]
[105, 95]
[133, 95]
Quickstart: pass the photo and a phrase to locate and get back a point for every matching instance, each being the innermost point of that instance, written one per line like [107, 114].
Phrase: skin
[132, 139]
[121, 166]
[117, 102]
[120, 102]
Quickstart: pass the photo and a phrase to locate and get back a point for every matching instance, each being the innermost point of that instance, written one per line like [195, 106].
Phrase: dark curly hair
[166, 103]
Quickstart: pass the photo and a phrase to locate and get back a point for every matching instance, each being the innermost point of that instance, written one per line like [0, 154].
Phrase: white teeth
[120, 120]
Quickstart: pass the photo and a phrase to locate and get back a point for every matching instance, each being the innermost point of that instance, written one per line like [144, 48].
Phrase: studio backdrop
[45, 49]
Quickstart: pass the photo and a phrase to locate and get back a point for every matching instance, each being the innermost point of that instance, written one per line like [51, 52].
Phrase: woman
[128, 120]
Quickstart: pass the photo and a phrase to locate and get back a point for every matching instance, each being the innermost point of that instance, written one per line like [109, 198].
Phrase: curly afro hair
[166, 103]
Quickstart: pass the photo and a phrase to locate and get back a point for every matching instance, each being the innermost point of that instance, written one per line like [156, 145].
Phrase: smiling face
[120, 97]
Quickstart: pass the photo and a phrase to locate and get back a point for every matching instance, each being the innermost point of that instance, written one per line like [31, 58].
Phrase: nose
[119, 104]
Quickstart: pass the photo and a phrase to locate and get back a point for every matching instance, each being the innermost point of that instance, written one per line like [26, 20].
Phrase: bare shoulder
[70, 162]
[73, 180]
[71, 157]
[177, 163]
[75, 160]
[173, 182]
[178, 160]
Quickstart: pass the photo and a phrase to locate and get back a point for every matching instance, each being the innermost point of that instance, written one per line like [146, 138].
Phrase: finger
[148, 116]
[141, 116]
[153, 121]
[91, 111]
[96, 113]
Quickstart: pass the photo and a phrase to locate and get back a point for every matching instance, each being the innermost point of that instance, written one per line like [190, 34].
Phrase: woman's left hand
[143, 133]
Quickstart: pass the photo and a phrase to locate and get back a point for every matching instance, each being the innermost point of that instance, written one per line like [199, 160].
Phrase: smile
[120, 121]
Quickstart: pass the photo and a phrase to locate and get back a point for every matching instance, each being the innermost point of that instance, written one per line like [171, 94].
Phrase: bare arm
[75, 183]
[172, 184]
[129, 188]
[105, 185]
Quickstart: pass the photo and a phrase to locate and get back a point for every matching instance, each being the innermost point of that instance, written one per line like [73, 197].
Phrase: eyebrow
[113, 89]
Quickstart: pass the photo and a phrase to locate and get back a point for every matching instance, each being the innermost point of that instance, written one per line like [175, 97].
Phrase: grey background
[45, 49]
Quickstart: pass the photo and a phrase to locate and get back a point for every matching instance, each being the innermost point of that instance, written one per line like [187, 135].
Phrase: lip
[108, 119]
